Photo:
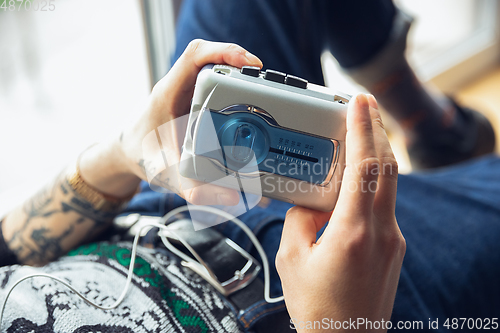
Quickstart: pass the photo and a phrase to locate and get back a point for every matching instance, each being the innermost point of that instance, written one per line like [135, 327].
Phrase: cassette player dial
[251, 137]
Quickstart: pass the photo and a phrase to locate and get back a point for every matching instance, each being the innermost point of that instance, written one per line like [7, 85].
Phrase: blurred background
[80, 72]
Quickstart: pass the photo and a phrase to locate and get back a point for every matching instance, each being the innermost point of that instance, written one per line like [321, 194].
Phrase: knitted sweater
[163, 297]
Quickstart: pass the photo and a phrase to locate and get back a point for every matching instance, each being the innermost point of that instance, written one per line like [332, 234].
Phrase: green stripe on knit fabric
[144, 270]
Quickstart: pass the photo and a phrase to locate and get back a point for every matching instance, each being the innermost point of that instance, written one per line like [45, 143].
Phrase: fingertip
[374, 111]
[253, 60]
[294, 210]
[298, 211]
[362, 100]
[228, 198]
[358, 107]
[200, 193]
[235, 55]
[372, 101]
[297, 214]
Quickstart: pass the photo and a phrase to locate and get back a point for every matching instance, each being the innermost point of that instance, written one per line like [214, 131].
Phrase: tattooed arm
[57, 219]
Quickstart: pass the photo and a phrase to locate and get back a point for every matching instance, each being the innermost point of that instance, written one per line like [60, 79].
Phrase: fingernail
[252, 58]
[362, 101]
[225, 199]
[221, 198]
[373, 101]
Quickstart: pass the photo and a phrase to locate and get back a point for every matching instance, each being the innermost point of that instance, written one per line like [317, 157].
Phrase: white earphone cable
[161, 225]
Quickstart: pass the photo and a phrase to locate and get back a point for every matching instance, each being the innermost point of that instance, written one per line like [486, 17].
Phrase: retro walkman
[277, 134]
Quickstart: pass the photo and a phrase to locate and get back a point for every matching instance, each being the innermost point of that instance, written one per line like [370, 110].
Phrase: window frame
[159, 18]
[469, 59]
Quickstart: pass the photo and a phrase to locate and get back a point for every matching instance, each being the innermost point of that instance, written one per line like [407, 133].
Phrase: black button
[250, 70]
[275, 76]
[296, 81]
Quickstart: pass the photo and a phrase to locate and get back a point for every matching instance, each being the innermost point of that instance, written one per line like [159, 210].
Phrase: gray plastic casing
[316, 110]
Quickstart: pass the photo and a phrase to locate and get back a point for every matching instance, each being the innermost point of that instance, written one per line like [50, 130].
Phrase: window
[68, 78]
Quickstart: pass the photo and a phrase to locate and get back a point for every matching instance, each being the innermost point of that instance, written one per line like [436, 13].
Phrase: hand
[352, 270]
[169, 101]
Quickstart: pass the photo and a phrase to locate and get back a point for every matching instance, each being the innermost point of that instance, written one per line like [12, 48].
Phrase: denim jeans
[449, 217]
[290, 35]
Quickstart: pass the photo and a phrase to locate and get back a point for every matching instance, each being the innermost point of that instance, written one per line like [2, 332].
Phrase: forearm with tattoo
[52, 222]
